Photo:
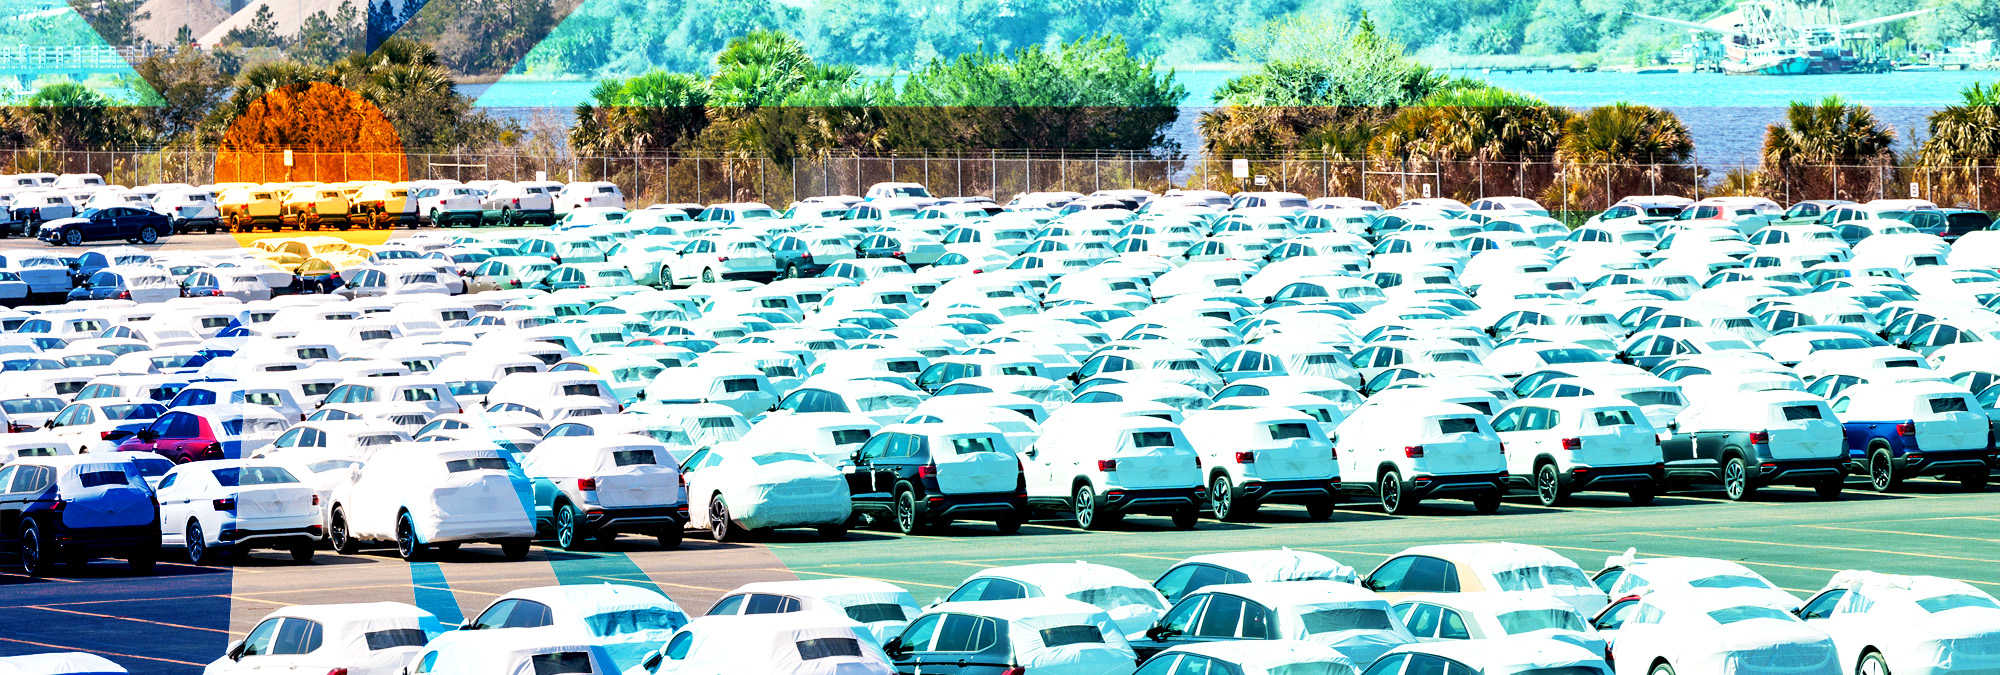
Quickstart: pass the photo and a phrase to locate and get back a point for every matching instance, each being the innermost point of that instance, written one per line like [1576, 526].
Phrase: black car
[62, 511]
[137, 226]
[896, 480]
[794, 257]
[1959, 222]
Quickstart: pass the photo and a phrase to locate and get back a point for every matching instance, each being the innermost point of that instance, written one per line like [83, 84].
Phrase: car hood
[59, 222]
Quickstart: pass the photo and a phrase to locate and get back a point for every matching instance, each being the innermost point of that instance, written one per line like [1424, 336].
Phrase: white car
[738, 487]
[1507, 656]
[793, 643]
[589, 194]
[1885, 623]
[1627, 574]
[1263, 456]
[377, 638]
[720, 258]
[627, 622]
[1242, 567]
[1560, 446]
[1352, 620]
[1101, 470]
[1131, 603]
[1713, 631]
[94, 424]
[1494, 615]
[420, 496]
[884, 608]
[1417, 450]
[616, 483]
[445, 205]
[216, 508]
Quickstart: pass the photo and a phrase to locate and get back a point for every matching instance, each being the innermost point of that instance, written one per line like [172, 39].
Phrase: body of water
[1726, 114]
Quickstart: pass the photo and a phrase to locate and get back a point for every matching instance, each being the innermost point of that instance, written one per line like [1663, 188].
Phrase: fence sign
[1239, 168]
[1914, 194]
[1427, 191]
[1261, 180]
[288, 158]
[541, 176]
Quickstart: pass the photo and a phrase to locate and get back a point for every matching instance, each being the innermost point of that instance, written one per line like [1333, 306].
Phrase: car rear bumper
[115, 541]
[633, 518]
[276, 537]
[1289, 491]
[1463, 486]
[1614, 478]
[1949, 462]
[1797, 471]
[1155, 501]
[983, 506]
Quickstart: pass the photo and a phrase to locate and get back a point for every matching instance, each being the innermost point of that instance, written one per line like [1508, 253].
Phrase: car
[1264, 456]
[92, 422]
[372, 638]
[793, 643]
[915, 477]
[1102, 470]
[1512, 656]
[511, 204]
[62, 663]
[384, 205]
[189, 209]
[1130, 603]
[1881, 622]
[1495, 616]
[223, 508]
[598, 490]
[1626, 574]
[883, 608]
[245, 208]
[60, 511]
[1263, 656]
[133, 225]
[1753, 439]
[1406, 453]
[1354, 621]
[422, 497]
[1491, 566]
[627, 622]
[448, 205]
[1559, 446]
[1701, 630]
[737, 487]
[1242, 567]
[1897, 431]
[1027, 635]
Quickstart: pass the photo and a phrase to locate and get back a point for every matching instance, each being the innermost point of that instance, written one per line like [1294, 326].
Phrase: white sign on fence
[541, 176]
[1427, 191]
[1239, 168]
[1914, 194]
[1261, 180]
[288, 158]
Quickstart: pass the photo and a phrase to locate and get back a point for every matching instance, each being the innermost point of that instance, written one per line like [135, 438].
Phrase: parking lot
[1786, 535]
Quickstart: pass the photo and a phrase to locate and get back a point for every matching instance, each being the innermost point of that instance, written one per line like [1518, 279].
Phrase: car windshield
[31, 406]
[1570, 355]
[1956, 601]
[1745, 613]
[1530, 620]
[253, 475]
[637, 620]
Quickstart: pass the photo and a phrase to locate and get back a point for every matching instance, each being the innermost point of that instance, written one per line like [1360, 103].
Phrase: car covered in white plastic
[1042, 636]
[626, 621]
[1242, 567]
[740, 487]
[1494, 615]
[1352, 620]
[376, 638]
[597, 490]
[1627, 574]
[1130, 602]
[792, 643]
[437, 495]
[1888, 623]
[1264, 456]
[1713, 631]
[883, 608]
[1507, 656]
[216, 508]
[1263, 657]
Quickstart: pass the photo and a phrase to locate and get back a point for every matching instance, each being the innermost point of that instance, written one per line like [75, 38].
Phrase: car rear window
[1801, 412]
[100, 477]
[1071, 635]
[1612, 418]
[1152, 439]
[1289, 430]
[585, 389]
[1344, 618]
[821, 648]
[1947, 404]
[881, 611]
[253, 475]
[734, 386]
[850, 436]
[476, 464]
[395, 637]
[1458, 425]
[562, 663]
[633, 457]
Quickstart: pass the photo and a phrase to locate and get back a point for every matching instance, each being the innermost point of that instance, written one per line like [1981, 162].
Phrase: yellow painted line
[1154, 557]
[1824, 548]
[100, 602]
[891, 581]
[969, 564]
[66, 581]
[1909, 534]
[127, 618]
[271, 602]
[99, 651]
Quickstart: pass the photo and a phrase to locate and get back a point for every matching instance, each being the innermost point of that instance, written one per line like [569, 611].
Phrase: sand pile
[169, 15]
[289, 15]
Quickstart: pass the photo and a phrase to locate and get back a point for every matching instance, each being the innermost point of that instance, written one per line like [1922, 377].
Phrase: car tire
[1083, 502]
[142, 562]
[833, 532]
[569, 534]
[1394, 502]
[791, 271]
[1830, 489]
[1974, 481]
[1548, 485]
[1320, 509]
[708, 276]
[197, 546]
[37, 553]
[1872, 663]
[908, 519]
[1008, 525]
[1736, 480]
[1662, 668]
[149, 235]
[407, 546]
[719, 524]
[1487, 502]
[515, 549]
[670, 537]
[1644, 494]
[1882, 471]
[336, 531]
[73, 237]
[302, 553]
[1223, 503]
[1187, 518]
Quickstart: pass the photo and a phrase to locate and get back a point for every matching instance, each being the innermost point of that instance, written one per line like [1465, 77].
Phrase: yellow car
[383, 205]
[315, 206]
[245, 208]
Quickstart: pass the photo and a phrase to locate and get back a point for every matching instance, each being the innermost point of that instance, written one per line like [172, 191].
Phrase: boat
[1785, 37]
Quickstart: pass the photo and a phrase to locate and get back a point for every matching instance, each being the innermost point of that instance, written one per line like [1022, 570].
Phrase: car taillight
[1572, 444]
[124, 295]
[215, 293]
[337, 671]
[13, 428]
[1413, 451]
[517, 203]
[682, 478]
[586, 484]
[1246, 457]
[806, 258]
[1906, 429]
[897, 254]
[1333, 453]
[1107, 465]
[59, 505]
[722, 258]
[101, 435]
[1015, 670]
[225, 504]
[1760, 437]
[315, 500]
[927, 471]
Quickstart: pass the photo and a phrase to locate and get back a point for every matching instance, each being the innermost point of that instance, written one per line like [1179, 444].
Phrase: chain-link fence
[709, 178]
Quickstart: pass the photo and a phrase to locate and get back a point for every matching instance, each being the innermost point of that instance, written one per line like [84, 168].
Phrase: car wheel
[1662, 668]
[407, 546]
[73, 237]
[708, 276]
[1223, 503]
[833, 532]
[670, 536]
[1320, 510]
[1186, 518]
[514, 549]
[1548, 485]
[1736, 479]
[1487, 502]
[197, 546]
[1008, 525]
[719, 524]
[36, 554]
[908, 521]
[1882, 472]
[1830, 489]
[1644, 494]
[1394, 502]
[1974, 481]
[1872, 664]
[791, 271]
[434, 219]
[567, 535]
[141, 562]
[1084, 501]
[302, 553]
[149, 235]
[343, 542]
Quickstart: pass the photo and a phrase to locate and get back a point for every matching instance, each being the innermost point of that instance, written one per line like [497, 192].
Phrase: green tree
[178, 93]
[324, 38]
[1964, 142]
[1091, 93]
[261, 32]
[1601, 147]
[70, 116]
[1830, 148]
[112, 19]
[654, 111]
[1322, 84]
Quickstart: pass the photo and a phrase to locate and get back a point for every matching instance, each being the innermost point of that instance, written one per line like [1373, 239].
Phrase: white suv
[1557, 446]
[1419, 449]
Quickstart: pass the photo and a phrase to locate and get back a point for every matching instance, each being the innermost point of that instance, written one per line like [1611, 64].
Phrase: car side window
[728, 606]
[1389, 665]
[765, 603]
[677, 648]
[7, 478]
[965, 633]
[1452, 626]
[298, 636]
[1221, 617]
[495, 616]
[261, 638]
[1822, 606]
[1422, 620]
[1615, 617]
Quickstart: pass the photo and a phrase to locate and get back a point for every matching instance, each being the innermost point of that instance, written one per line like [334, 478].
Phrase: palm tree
[1828, 148]
[1599, 146]
[1964, 141]
[1466, 128]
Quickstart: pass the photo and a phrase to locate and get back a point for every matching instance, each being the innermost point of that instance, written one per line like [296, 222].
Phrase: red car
[180, 436]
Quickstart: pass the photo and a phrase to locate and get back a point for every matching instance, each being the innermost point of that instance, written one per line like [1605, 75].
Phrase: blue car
[61, 511]
[1896, 431]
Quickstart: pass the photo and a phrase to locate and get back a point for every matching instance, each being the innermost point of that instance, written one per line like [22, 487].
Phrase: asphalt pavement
[183, 617]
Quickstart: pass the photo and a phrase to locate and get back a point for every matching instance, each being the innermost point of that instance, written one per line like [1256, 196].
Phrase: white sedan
[742, 486]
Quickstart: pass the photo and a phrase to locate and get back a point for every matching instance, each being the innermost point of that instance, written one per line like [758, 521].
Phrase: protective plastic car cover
[1520, 567]
[1520, 655]
[1352, 620]
[60, 663]
[1283, 564]
[797, 643]
[1130, 602]
[769, 487]
[102, 492]
[619, 464]
[1263, 657]
[845, 596]
[1032, 621]
[446, 505]
[629, 622]
[36, 444]
[973, 459]
[515, 653]
[368, 638]
[1699, 643]
[1921, 622]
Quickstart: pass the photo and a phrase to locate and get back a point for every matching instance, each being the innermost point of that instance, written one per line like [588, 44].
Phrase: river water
[1726, 114]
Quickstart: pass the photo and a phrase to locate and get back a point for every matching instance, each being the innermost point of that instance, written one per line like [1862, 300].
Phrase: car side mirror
[147, 435]
[51, 424]
[1032, 453]
[1160, 633]
[1371, 584]
[894, 647]
[236, 650]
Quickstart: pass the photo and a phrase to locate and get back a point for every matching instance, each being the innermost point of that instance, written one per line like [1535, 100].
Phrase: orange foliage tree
[334, 136]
